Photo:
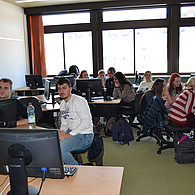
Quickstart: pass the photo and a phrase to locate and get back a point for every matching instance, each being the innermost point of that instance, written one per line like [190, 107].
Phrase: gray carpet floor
[146, 172]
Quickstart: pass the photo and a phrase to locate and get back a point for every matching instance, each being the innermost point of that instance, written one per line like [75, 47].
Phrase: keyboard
[69, 171]
[97, 98]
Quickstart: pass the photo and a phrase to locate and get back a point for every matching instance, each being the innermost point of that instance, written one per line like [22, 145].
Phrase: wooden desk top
[56, 106]
[88, 180]
[28, 89]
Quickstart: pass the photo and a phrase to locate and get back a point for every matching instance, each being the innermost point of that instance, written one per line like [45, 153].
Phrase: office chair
[131, 114]
[171, 132]
[152, 118]
[36, 104]
[77, 153]
[45, 120]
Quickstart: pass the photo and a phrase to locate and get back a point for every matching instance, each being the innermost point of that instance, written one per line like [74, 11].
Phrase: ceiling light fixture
[28, 1]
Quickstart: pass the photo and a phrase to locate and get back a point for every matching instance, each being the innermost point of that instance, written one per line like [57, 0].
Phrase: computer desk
[27, 91]
[46, 107]
[56, 106]
[88, 180]
[101, 108]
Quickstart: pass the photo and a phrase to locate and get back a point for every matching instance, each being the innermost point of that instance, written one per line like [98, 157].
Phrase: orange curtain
[37, 44]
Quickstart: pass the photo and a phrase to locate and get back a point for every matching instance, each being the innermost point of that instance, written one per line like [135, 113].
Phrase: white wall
[13, 45]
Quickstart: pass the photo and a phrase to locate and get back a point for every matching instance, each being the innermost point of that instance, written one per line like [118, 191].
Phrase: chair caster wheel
[159, 152]
[137, 140]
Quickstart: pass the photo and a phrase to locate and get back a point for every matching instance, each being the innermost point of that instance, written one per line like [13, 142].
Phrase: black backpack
[122, 132]
[96, 149]
[185, 151]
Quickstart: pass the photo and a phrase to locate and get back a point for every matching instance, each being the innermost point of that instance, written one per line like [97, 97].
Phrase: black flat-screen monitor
[34, 81]
[8, 112]
[70, 77]
[92, 86]
[47, 89]
[32, 153]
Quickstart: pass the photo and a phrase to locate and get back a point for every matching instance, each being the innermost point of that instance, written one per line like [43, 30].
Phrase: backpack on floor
[122, 132]
[108, 127]
[185, 151]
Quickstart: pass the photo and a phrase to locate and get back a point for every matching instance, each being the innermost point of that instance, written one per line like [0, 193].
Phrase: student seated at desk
[76, 122]
[182, 112]
[124, 89]
[101, 75]
[147, 81]
[110, 81]
[5, 93]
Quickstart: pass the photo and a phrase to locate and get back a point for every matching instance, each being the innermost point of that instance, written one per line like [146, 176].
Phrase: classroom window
[78, 50]
[188, 12]
[186, 49]
[151, 50]
[118, 50]
[70, 18]
[54, 53]
[136, 14]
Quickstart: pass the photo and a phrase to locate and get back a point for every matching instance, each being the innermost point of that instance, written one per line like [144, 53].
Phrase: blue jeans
[72, 143]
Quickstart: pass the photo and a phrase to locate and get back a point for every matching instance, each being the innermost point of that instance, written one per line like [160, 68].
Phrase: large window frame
[172, 23]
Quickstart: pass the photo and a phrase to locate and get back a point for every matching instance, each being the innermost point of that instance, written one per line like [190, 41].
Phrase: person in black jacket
[110, 81]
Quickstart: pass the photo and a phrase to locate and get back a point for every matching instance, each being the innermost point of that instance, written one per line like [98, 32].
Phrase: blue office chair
[77, 153]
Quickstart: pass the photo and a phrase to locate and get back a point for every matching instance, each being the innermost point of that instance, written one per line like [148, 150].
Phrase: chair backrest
[36, 104]
[137, 101]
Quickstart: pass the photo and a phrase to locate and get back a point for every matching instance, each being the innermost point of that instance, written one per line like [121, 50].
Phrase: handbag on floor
[185, 151]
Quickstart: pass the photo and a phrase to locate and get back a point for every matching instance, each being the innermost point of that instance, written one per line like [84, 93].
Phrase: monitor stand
[53, 101]
[88, 95]
[17, 172]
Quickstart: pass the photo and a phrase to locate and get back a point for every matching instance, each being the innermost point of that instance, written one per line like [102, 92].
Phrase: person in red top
[182, 112]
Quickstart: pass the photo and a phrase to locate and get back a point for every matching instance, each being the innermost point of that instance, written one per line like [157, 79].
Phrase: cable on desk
[5, 188]
[43, 179]
[32, 180]
[4, 181]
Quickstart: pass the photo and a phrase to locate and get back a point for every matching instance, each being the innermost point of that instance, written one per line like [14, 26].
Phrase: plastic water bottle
[31, 116]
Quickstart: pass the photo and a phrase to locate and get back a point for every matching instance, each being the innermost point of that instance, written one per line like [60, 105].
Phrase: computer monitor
[70, 77]
[89, 87]
[29, 153]
[34, 81]
[8, 112]
[47, 89]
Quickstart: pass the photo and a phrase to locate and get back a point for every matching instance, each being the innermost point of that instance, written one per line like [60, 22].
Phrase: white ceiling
[37, 3]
